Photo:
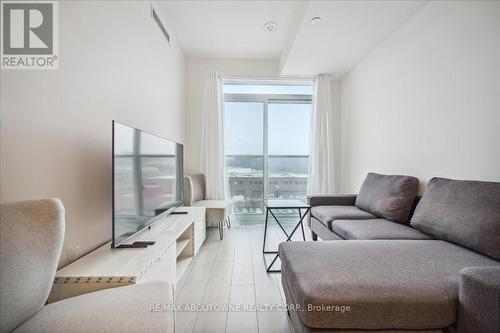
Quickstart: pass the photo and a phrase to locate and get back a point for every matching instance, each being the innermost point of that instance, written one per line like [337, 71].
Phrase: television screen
[147, 180]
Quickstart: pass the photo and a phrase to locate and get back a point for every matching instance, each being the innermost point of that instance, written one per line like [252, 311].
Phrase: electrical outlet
[74, 253]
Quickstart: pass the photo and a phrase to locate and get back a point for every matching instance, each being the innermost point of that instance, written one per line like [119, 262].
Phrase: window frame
[266, 99]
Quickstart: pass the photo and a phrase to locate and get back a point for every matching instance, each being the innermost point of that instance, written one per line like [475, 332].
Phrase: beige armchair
[218, 211]
[31, 240]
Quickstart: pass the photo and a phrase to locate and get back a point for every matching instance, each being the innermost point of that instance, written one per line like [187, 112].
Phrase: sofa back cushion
[390, 197]
[194, 189]
[463, 212]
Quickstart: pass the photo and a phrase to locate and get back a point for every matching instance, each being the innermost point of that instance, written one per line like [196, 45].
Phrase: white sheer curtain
[212, 138]
[321, 170]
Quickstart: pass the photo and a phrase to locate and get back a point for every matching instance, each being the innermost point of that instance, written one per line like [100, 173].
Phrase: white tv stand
[177, 239]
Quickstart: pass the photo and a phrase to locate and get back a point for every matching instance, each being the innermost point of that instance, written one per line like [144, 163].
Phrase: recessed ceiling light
[316, 20]
[271, 26]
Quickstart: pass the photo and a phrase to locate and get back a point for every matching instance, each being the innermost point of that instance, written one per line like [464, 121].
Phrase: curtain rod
[268, 78]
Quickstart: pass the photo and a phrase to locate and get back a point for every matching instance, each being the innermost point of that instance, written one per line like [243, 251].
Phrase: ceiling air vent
[156, 18]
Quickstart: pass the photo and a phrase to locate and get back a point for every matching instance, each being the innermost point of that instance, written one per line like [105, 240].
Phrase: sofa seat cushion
[388, 284]
[328, 214]
[136, 308]
[463, 212]
[390, 197]
[375, 229]
[216, 210]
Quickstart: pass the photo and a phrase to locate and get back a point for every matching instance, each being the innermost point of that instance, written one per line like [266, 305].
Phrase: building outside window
[267, 131]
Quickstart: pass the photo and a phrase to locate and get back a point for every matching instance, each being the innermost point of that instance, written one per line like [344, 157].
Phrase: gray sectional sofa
[381, 210]
[398, 262]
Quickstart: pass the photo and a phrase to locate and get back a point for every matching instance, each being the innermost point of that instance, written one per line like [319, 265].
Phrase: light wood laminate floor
[232, 271]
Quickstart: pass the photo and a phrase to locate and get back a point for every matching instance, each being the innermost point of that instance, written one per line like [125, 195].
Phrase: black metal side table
[275, 204]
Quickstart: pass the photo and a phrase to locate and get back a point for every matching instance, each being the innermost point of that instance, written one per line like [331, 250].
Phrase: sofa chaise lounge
[439, 273]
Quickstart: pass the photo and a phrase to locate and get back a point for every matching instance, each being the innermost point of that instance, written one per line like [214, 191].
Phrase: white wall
[426, 102]
[56, 125]
[196, 72]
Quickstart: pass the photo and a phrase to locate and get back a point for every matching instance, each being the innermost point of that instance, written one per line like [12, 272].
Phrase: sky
[288, 124]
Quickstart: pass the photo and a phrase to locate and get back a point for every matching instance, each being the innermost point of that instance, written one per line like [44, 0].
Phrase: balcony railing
[286, 178]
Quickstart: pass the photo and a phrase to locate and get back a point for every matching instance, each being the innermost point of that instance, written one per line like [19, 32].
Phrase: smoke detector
[315, 20]
[271, 26]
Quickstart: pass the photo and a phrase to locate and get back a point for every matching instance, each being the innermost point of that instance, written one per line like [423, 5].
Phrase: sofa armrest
[145, 307]
[479, 300]
[331, 199]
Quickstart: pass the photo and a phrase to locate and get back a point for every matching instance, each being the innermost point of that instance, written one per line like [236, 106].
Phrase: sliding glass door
[267, 131]
[288, 127]
[245, 155]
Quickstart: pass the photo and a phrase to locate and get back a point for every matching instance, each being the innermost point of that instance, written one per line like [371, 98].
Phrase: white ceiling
[348, 30]
[229, 29]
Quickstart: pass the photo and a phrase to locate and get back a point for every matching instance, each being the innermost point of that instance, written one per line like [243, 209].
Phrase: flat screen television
[147, 180]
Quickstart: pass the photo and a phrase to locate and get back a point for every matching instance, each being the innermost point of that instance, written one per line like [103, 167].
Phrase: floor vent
[156, 18]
